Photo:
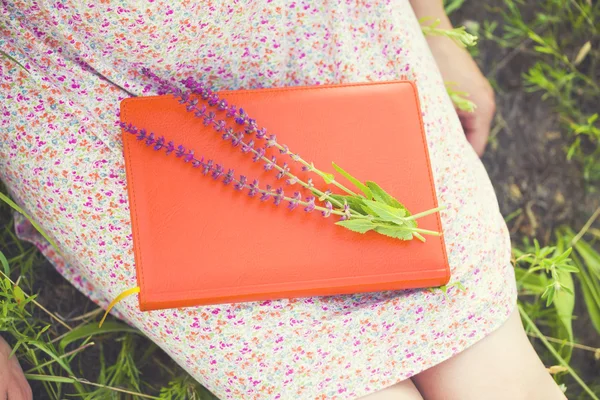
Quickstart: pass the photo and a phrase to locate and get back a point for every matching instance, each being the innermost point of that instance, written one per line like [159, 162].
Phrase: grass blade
[529, 323]
[5, 265]
[11, 203]
[92, 329]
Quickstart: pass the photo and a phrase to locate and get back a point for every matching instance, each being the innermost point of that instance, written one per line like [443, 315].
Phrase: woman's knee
[503, 365]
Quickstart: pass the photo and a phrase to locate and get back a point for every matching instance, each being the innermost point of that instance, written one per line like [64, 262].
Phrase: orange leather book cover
[198, 242]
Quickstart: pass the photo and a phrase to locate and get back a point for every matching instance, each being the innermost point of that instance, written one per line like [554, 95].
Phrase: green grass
[56, 353]
[563, 38]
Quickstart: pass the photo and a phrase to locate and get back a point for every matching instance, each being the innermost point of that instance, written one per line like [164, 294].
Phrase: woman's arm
[456, 65]
[433, 9]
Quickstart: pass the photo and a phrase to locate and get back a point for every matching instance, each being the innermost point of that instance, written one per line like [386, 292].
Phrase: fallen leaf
[515, 192]
[553, 135]
[583, 52]
[555, 369]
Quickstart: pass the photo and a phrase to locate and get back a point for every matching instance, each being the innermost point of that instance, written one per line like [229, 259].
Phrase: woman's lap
[61, 160]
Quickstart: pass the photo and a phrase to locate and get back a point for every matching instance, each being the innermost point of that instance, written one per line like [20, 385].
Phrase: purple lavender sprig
[376, 210]
[217, 172]
[236, 138]
[250, 126]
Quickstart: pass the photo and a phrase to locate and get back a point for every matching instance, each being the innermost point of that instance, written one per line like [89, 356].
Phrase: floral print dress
[61, 159]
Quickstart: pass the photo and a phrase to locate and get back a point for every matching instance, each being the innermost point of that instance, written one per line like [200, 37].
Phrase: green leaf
[593, 306]
[590, 257]
[11, 203]
[394, 232]
[564, 301]
[452, 5]
[385, 212]
[4, 263]
[365, 189]
[19, 296]
[535, 283]
[355, 203]
[49, 378]
[549, 294]
[92, 329]
[360, 225]
[382, 196]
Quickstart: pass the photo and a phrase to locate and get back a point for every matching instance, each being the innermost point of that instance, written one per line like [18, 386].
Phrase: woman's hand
[458, 67]
[13, 385]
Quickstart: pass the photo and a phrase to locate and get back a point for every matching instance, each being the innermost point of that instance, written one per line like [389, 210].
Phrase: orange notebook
[198, 242]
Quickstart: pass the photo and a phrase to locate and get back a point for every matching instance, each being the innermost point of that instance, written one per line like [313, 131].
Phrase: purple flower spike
[269, 164]
[248, 146]
[205, 93]
[284, 169]
[251, 127]
[213, 99]
[311, 204]
[346, 211]
[261, 133]
[150, 139]
[196, 163]
[169, 147]
[123, 125]
[210, 117]
[305, 168]
[180, 151]
[278, 196]
[231, 111]
[218, 171]
[241, 184]
[131, 129]
[253, 188]
[285, 149]
[191, 105]
[141, 134]
[228, 177]
[207, 167]
[258, 155]
[266, 195]
[159, 143]
[219, 125]
[291, 181]
[200, 112]
[294, 201]
[184, 97]
[228, 134]
[329, 208]
[240, 118]
[237, 139]
[190, 156]
[271, 141]
[222, 104]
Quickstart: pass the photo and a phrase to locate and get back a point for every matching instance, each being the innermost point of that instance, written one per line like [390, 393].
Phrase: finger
[24, 386]
[478, 139]
[18, 380]
[15, 392]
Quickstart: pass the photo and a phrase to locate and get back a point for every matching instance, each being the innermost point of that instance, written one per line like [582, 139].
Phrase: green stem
[425, 213]
[305, 185]
[555, 353]
[312, 168]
